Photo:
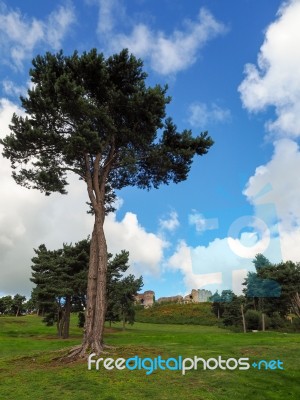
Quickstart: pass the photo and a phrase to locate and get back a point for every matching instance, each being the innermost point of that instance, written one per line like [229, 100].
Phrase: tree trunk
[66, 318]
[96, 287]
[254, 304]
[100, 306]
[295, 301]
[124, 321]
[96, 293]
[243, 317]
[58, 323]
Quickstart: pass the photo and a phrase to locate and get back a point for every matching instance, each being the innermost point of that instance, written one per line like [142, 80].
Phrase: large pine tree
[97, 118]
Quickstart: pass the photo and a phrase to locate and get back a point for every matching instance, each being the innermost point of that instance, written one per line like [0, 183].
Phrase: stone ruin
[196, 296]
[172, 299]
[145, 299]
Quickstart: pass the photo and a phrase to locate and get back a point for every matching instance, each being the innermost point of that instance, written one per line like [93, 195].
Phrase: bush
[276, 321]
[295, 326]
[253, 319]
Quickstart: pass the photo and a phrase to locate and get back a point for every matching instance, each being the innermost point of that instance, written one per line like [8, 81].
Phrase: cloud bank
[20, 35]
[166, 53]
[275, 80]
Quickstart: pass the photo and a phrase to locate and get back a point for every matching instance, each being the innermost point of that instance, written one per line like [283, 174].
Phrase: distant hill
[173, 313]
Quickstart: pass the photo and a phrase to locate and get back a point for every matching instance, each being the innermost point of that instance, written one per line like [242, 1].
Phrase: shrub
[276, 321]
[253, 319]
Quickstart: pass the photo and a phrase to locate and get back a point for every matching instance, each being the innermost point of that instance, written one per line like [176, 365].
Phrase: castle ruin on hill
[147, 298]
[198, 296]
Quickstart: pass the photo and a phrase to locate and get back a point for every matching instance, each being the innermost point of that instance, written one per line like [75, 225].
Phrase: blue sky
[233, 69]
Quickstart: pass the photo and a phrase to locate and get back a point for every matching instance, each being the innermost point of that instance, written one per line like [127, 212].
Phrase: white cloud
[181, 260]
[20, 35]
[224, 262]
[28, 218]
[145, 248]
[167, 54]
[58, 25]
[108, 10]
[201, 223]
[170, 224]
[214, 266]
[290, 243]
[200, 114]
[11, 89]
[281, 176]
[275, 81]
[278, 182]
[7, 108]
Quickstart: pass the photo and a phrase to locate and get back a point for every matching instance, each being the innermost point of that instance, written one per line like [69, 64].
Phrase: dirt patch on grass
[252, 351]
[113, 330]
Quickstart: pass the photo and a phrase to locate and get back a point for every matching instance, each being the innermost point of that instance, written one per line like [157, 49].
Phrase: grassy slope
[28, 369]
[173, 313]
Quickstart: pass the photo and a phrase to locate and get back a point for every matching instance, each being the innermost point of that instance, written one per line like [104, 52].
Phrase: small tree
[115, 270]
[6, 303]
[217, 305]
[124, 298]
[96, 117]
[30, 306]
[218, 301]
[60, 278]
[233, 314]
[18, 304]
[287, 275]
[272, 288]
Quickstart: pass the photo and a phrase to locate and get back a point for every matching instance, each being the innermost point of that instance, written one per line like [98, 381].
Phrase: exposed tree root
[106, 346]
[84, 350]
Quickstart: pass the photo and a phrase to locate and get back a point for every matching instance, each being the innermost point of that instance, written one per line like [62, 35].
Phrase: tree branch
[89, 182]
[107, 164]
[96, 177]
[75, 170]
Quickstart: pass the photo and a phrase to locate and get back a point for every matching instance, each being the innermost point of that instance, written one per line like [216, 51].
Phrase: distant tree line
[16, 305]
[271, 297]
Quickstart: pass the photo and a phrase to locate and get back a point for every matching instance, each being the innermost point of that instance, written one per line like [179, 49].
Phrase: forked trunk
[96, 287]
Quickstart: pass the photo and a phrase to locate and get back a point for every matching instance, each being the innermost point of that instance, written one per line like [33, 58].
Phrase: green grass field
[30, 366]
